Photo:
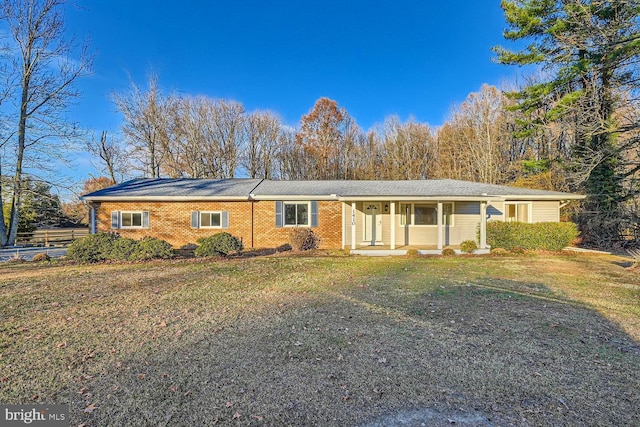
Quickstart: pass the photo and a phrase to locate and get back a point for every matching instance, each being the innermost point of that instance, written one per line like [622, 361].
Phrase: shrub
[218, 244]
[303, 239]
[107, 246]
[122, 249]
[448, 252]
[468, 246]
[413, 253]
[551, 236]
[93, 248]
[499, 252]
[41, 257]
[152, 248]
[284, 248]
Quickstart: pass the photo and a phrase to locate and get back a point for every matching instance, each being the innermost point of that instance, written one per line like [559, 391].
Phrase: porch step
[378, 252]
[396, 252]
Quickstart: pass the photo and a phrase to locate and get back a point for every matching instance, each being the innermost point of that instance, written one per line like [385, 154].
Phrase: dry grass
[530, 340]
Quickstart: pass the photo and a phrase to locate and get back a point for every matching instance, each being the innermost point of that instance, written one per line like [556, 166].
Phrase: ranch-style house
[362, 216]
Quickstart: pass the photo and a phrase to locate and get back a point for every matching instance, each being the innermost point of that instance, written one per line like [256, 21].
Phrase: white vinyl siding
[545, 211]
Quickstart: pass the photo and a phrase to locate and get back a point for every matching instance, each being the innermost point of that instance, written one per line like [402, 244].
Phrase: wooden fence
[56, 237]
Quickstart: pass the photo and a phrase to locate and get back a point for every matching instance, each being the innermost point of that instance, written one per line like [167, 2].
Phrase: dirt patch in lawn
[325, 341]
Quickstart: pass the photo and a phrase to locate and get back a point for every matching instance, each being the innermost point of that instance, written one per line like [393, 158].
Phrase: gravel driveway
[28, 253]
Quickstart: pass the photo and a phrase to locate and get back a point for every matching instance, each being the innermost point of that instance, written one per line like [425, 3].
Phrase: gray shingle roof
[417, 188]
[178, 188]
[243, 189]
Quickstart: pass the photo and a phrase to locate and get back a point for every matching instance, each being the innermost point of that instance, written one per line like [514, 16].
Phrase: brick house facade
[359, 215]
[251, 221]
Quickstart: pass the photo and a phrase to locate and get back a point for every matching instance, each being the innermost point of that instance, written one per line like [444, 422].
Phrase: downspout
[252, 220]
[92, 219]
[252, 198]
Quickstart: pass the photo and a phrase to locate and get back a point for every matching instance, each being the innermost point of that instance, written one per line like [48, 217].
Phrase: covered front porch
[380, 227]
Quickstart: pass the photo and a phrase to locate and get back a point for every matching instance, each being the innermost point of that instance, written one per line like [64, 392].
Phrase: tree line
[572, 126]
[166, 135]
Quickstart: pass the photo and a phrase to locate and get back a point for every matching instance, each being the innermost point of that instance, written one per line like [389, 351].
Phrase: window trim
[209, 213]
[516, 203]
[284, 215]
[412, 214]
[129, 227]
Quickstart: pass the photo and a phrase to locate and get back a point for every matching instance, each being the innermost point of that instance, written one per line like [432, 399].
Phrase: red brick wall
[329, 225]
[171, 221]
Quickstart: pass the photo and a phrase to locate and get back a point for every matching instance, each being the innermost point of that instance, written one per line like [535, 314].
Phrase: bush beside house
[220, 244]
[110, 246]
[303, 239]
[551, 236]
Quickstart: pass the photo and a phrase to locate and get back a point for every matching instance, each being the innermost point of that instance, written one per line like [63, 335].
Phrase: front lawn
[530, 340]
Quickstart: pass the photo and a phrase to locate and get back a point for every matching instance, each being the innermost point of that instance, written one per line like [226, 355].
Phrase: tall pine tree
[588, 50]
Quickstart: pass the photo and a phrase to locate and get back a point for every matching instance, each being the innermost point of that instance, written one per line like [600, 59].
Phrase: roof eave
[301, 197]
[422, 198]
[164, 198]
[558, 197]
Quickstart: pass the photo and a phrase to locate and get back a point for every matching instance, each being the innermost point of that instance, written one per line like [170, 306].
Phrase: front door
[372, 223]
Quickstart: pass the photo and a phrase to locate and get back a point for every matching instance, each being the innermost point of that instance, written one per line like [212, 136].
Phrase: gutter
[424, 198]
[164, 198]
[288, 197]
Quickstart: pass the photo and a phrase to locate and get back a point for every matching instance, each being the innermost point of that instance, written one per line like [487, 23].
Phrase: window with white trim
[517, 212]
[131, 219]
[296, 214]
[210, 219]
[425, 214]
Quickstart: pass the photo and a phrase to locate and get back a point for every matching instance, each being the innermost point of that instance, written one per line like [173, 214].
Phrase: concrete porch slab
[396, 252]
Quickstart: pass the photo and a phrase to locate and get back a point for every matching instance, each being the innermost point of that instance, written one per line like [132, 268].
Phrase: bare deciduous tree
[112, 155]
[145, 124]
[41, 77]
[262, 129]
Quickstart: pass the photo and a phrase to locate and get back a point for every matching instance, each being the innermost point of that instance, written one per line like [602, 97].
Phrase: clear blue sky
[376, 58]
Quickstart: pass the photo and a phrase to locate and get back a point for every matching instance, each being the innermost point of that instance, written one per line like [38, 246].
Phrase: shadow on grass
[500, 352]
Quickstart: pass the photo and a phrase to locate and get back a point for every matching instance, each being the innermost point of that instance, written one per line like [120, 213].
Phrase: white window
[296, 214]
[425, 214]
[517, 212]
[210, 219]
[131, 219]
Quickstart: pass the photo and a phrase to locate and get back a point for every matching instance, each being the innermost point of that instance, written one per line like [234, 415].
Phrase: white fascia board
[546, 197]
[424, 198]
[165, 199]
[295, 198]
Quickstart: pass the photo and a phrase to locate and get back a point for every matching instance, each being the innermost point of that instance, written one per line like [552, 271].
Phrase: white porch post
[483, 225]
[393, 225]
[440, 236]
[353, 226]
